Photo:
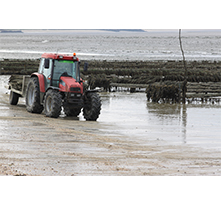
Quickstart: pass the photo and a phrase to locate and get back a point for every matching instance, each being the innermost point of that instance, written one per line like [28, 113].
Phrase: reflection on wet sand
[171, 114]
[199, 124]
[183, 113]
[131, 115]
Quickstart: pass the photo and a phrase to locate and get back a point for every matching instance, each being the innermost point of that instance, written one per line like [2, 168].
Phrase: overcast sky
[114, 14]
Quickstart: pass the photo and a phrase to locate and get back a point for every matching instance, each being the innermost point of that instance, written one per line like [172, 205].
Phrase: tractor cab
[56, 66]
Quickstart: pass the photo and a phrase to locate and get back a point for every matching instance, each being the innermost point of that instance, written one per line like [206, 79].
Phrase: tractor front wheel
[52, 103]
[92, 106]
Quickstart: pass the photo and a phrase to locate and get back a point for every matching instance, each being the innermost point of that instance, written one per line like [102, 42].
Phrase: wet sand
[31, 144]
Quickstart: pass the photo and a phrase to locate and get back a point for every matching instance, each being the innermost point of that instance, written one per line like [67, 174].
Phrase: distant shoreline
[54, 31]
[10, 31]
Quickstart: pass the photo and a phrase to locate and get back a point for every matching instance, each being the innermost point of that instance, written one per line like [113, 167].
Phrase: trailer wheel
[13, 98]
[52, 103]
[33, 96]
[92, 106]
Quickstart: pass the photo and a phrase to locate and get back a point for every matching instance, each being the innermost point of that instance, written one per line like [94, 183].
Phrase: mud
[149, 139]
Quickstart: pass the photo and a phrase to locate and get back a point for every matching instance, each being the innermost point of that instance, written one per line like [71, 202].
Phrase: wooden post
[184, 88]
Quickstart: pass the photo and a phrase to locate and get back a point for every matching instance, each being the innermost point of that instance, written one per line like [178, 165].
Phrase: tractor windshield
[65, 68]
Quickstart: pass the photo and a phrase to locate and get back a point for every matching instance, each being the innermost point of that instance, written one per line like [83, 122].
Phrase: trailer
[17, 85]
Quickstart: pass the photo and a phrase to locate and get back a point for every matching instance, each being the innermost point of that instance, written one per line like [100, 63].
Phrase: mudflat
[34, 145]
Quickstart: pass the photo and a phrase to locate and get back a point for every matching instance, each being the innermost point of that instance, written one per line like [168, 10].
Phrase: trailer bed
[18, 84]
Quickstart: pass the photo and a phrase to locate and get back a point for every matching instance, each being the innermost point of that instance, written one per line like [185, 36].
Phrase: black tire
[32, 98]
[72, 112]
[52, 103]
[13, 98]
[92, 108]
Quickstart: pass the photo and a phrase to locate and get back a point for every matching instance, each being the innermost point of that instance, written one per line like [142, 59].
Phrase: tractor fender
[89, 91]
[54, 88]
[41, 81]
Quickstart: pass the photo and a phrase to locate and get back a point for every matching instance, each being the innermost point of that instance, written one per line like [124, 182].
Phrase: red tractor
[58, 84]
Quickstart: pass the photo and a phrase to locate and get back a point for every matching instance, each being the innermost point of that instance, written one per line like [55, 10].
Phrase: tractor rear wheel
[33, 96]
[13, 98]
[92, 106]
[52, 103]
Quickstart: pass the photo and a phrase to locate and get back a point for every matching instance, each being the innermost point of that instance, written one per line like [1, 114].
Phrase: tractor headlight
[75, 95]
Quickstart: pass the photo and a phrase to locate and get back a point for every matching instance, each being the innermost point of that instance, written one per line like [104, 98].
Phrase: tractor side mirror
[46, 65]
[85, 66]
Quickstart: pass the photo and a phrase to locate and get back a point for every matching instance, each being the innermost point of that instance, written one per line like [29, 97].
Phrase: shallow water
[130, 114]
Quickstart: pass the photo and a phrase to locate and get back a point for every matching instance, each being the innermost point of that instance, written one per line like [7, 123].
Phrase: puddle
[130, 114]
